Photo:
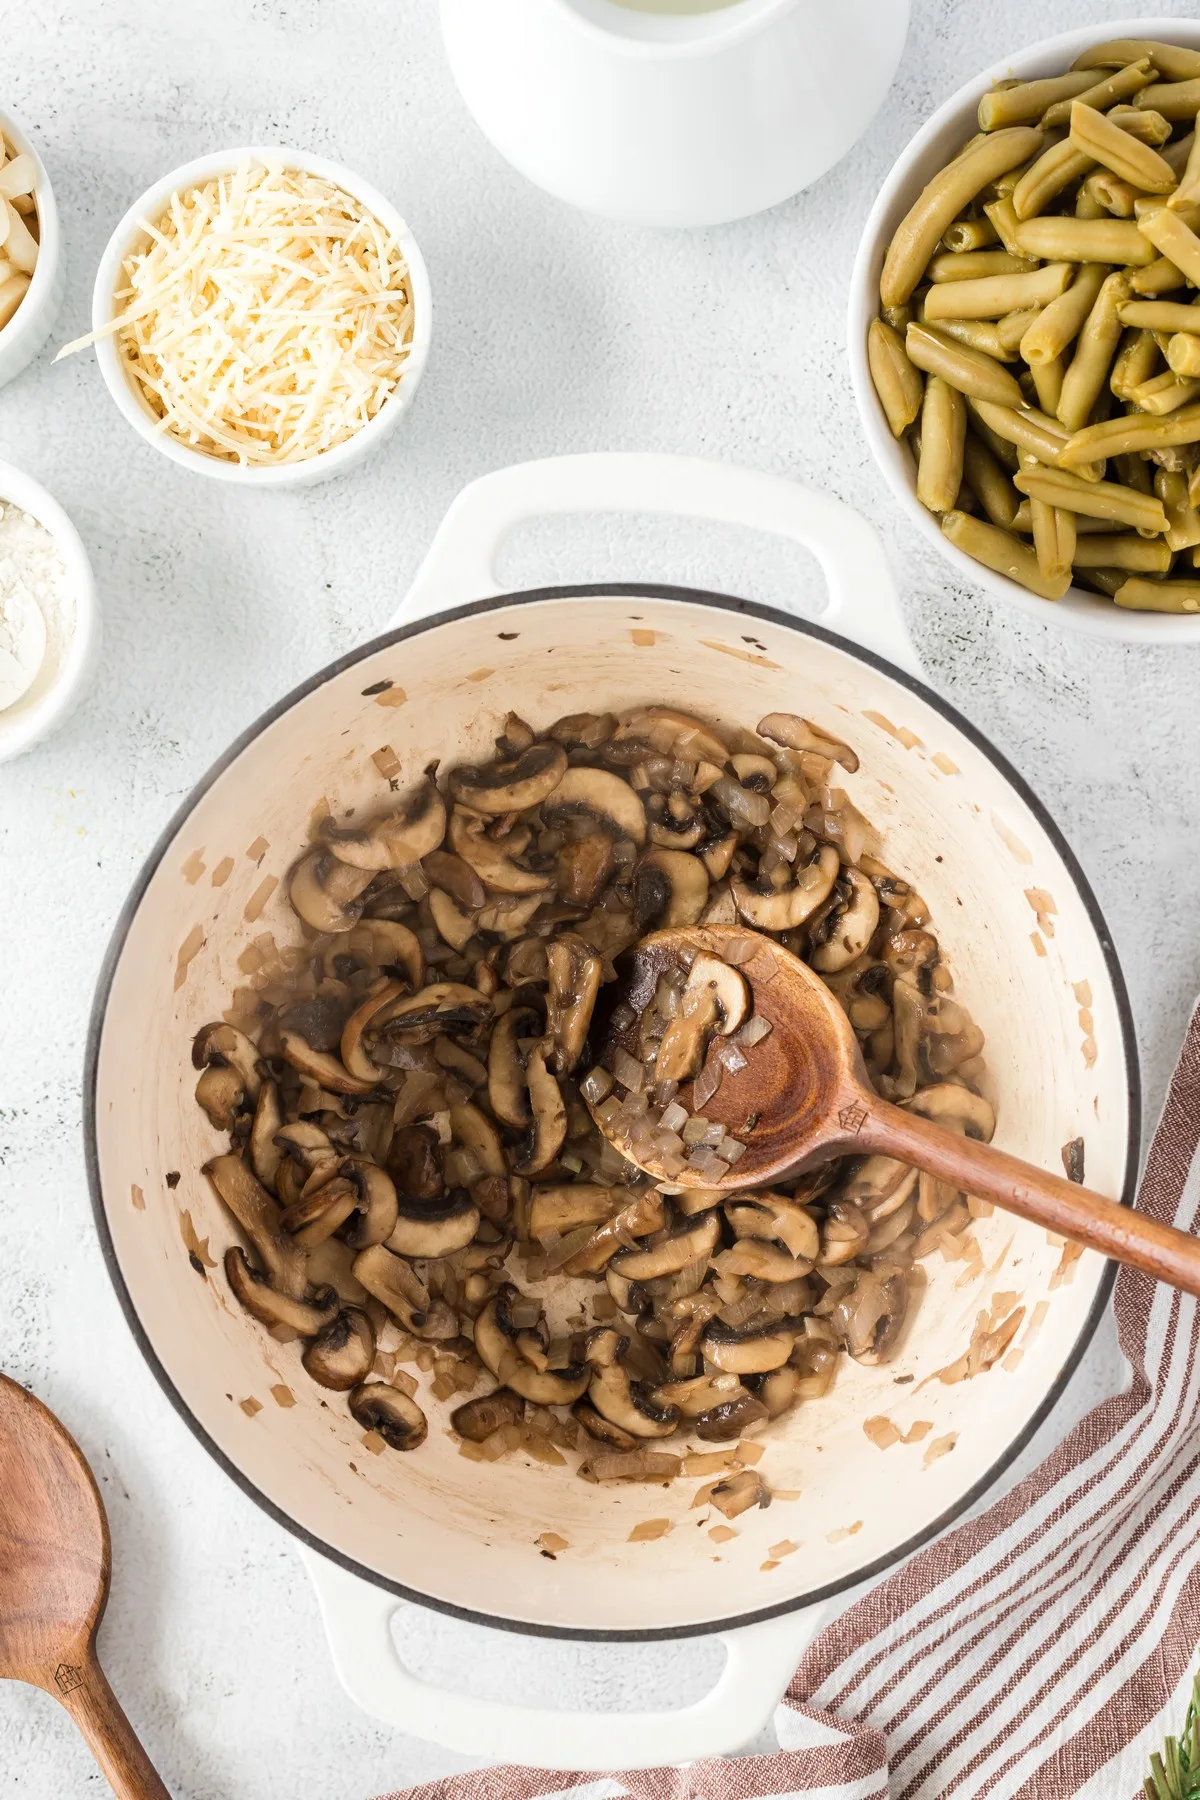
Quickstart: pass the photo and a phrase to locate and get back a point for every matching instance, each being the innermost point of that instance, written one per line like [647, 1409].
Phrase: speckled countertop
[553, 333]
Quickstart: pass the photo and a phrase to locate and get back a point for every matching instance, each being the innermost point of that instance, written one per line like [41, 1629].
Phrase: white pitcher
[674, 112]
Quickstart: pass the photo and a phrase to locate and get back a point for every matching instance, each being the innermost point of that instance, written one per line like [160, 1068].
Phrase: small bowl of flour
[48, 614]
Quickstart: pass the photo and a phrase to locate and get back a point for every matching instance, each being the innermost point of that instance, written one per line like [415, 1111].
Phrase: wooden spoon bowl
[805, 1097]
[55, 1564]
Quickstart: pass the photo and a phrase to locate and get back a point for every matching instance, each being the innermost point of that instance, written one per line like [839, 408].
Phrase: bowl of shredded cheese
[261, 316]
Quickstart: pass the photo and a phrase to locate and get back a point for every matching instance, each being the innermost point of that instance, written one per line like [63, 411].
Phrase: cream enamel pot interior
[461, 1535]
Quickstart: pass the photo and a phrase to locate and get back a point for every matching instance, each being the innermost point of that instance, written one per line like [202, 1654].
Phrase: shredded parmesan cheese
[267, 320]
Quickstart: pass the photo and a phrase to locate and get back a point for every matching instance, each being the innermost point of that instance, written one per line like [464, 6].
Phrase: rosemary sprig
[1175, 1774]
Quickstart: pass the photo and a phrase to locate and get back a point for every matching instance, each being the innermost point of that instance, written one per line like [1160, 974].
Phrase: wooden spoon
[805, 1098]
[55, 1563]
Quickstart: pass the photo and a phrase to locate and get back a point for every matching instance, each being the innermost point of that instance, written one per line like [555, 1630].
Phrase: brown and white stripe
[1038, 1652]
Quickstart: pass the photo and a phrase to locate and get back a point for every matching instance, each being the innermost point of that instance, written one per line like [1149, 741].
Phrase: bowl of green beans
[1025, 330]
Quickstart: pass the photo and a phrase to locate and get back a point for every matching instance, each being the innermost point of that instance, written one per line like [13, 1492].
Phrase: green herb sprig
[1175, 1774]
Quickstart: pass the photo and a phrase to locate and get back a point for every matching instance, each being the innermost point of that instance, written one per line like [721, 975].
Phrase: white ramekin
[34, 319]
[128, 234]
[57, 691]
[928, 152]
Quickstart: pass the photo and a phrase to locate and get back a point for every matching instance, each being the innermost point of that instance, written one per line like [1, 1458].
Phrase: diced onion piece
[754, 1031]
[596, 1085]
[628, 1070]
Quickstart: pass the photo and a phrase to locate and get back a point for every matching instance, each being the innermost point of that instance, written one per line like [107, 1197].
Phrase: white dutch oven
[462, 1536]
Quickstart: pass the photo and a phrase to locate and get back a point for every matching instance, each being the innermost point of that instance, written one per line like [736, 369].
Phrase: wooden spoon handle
[109, 1735]
[1050, 1200]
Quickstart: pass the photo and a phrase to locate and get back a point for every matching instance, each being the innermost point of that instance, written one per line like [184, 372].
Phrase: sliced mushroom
[556, 1210]
[494, 862]
[477, 1419]
[956, 1107]
[548, 1131]
[327, 1071]
[870, 1317]
[460, 1061]
[763, 1262]
[397, 838]
[643, 1215]
[456, 877]
[778, 1390]
[676, 822]
[271, 1307]
[454, 926]
[600, 797]
[626, 1403]
[434, 1227]
[508, 917]
[317, 1215]
[583, 868]
[721, 908]
[511, 784]
[852, 925]
[716, 855]
[308, 1159]
[587, 730]
[782, 909]
[258, 1216]
[699, 1394]
[731, 1418]
[391, 1281]
[768, 1215]
[448, 1006]
[388, 945]
[264, 1151]
[327, 894]
[715, 999]
[319, 1018]
[843, 1235]
[749, 1349]
[602, 1429]
[758, 773]
[354, 1056]
[801, 734]
[508, 1092]
[574, 970]
[381, 1408]
[670, 887]
[674, 733]
[230, 1081]
[879, 1187]
[376, 1202]
[341, 1354]
[693, 1243]
[476, 1133]
[496, 1341]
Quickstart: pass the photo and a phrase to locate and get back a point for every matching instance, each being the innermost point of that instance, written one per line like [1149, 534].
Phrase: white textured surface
[552, 333]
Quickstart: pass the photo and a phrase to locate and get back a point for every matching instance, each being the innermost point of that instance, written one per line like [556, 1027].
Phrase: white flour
[37, 605]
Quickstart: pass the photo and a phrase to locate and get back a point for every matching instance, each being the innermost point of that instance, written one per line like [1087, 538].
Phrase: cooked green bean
[970, 371]
[1026, 101]
[1147, 127]
[1002, 216]
[1115, 196]
[1003, 449]
[1143, 594]
[979, 334]
[1164, 393]
[897, 382]
[1188, 191]
[1012, 327]
[943, 432]
[1122, 550]
[942, 200]
[1136, 361]
[1183, 353]
[969, 234]
[994, 295]
[1179, 154]
[1048, 382]
[1183, 521]
[1085, 240]
[1094, 351]
[1000, 551]
[1160, 315]
[1175, 100]
[1096, 136]
[968, 266]
[1098, 499]
[1053, 538]
[989, 480]
[1118, 86]
[1060, 322]
[1101, 581]
[1159, 277]
[1171, 60]
[1134, 472]
[1053, 171]
[1027, 429]
[1023, 518]
[1171, 236]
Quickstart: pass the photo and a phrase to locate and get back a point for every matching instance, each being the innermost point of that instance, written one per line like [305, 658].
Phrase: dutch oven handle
[461, 562]
[760, 1661]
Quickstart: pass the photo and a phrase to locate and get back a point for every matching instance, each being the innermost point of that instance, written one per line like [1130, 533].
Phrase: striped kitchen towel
[1037, 1652]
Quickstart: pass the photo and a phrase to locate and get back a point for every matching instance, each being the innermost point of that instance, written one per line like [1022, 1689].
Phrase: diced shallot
[628, 1070]
[597, 1083]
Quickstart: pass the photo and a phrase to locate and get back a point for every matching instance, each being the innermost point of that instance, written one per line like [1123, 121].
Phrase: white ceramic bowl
[929, 151]
[34, 319]
[59, 686]
[130, 234]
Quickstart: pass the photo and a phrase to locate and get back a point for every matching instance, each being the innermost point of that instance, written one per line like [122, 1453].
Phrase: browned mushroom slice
[715, 999]
[548, 1130]
[511, 784]
[375, 1202]
[454, 926]
[341, 1354]
[354, 1054]
[258, 1216]
[673, 733]
[496, 1335]
[694, 1243]
[602, 1429]
[749, 1349]
[758, 773]
[230, 1082]
[455, 877]
[850, 926]
[494, 861]
[670, 887]
[434, 1227]
[762, 1262]
[477, 1419]
[586, 730]
[676, 821]
[583, 868]
[796, 733]
[879, 1187]
[627, 1403]
[265, 1153]
[474, 1131]
[508, 1091]
[399, 1421]
[643, 1215]
[768, 1215]
[414, 1162]
[699, 1394]
[738, 1493]
[327, 894]
[317, 1215]
[843, 1235]
[782, 909]
[329, 1072]
[555, 1210]
[396, 839]
[958, 1108]
[730, 1418]
[508, 917]
[395, 1284]
[598, 798]
[870, 1317]
[779, 1389]
[265, 1303]
[716, 855]
[574, 983]
[448, 1006]
[387, 945]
